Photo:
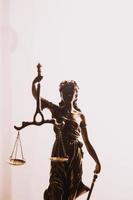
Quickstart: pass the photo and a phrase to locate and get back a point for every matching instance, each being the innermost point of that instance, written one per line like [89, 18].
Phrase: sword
[92, 185]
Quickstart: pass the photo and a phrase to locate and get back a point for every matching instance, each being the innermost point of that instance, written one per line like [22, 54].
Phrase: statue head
[69, 92]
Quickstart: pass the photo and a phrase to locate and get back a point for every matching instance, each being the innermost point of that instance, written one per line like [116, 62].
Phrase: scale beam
[24, 124]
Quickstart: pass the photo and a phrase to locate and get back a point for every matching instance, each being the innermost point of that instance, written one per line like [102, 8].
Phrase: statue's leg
[56, 189]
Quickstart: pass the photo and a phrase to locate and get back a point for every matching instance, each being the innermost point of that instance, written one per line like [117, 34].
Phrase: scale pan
[17, 162]
[59, 159]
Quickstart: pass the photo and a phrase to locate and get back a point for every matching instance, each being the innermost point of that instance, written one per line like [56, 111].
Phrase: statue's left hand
[97, 168]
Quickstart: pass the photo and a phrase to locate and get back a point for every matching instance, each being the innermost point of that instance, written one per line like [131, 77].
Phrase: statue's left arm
[88, 145]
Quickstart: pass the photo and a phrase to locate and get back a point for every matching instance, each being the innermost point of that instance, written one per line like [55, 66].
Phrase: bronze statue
[68, 121]
[65, 181]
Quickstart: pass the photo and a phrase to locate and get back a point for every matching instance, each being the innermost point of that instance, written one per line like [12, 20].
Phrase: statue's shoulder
[83, 121]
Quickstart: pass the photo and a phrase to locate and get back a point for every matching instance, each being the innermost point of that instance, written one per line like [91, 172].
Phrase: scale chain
[15, 144]
[21, 147]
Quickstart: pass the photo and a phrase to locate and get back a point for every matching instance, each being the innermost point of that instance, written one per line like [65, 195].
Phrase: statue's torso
[71, 128]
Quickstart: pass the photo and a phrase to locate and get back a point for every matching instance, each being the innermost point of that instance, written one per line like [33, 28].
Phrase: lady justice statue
[65, 181]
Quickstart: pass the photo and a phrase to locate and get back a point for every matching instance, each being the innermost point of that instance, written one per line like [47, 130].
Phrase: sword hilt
[92, 185]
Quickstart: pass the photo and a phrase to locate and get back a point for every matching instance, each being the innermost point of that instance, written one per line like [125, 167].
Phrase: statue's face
[68, 95]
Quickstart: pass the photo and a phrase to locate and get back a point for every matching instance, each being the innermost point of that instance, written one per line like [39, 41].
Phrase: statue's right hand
[38, 79]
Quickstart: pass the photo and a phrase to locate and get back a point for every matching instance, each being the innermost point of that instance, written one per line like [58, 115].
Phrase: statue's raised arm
[44, 103]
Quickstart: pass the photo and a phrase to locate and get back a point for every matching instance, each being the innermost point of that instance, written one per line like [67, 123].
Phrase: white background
[90, 42]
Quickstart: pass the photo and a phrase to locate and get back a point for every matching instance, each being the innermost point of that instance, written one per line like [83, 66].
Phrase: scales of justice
[17, 156]
[18, 160]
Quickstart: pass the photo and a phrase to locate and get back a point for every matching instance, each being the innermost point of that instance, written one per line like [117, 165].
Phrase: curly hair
[72, 85]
